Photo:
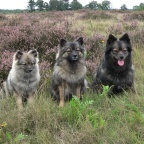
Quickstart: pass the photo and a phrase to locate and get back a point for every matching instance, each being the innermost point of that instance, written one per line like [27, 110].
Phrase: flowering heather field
[97, 119]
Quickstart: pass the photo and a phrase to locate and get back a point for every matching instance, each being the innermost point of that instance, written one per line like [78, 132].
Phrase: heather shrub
[42, 35]
[45, 37]
[134, 16]
[95, 47]
[5, 64]
[117, 11]
[131, 25]
[59, 14]
[91, 14]
[137, 37]
[43, 31]
[3, 17]
[116, 29]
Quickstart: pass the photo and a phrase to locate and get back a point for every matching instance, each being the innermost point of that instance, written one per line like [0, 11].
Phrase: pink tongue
[121, 63]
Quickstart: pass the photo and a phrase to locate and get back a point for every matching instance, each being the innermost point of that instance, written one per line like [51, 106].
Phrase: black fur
[116, 69]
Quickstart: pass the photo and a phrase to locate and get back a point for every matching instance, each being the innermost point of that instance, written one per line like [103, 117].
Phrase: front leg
[61, 94]
[115, 90]
[78, 92]
[19, 102]
[31, 99]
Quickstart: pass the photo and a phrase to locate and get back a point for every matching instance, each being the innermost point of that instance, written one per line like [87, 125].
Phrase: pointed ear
[33, 52]
[18, 55]
[62, 42]
[111, 39]
[125, 38]
[80, 40]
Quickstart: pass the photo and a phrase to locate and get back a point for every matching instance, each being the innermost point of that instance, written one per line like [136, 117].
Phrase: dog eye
[115, 51]
[32, 63]
[68, 51]
[124, 50]
[77, 49]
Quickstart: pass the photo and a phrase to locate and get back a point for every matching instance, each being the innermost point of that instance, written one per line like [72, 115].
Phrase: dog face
[26, 61]
[72, 51]
[118, 50]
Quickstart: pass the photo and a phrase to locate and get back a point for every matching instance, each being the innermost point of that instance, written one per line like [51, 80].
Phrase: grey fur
[71, 73]
[24, 77]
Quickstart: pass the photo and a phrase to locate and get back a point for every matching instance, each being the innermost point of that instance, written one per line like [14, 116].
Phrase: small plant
[76, 109]
[20, 137]
[80, 111]
[105, 90]
[5, 134]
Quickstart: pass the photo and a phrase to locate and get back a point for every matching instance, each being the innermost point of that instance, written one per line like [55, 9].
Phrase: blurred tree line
[61, 5]
[139, 7]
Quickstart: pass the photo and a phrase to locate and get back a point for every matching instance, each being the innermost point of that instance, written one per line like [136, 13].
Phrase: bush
[43, 31]
[95, 15]
[134, 16]
[40, 31]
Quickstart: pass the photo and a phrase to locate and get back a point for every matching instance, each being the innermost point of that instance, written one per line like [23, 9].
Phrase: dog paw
[61, 105]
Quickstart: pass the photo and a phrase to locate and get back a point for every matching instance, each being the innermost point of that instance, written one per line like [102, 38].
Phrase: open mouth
[121, 62]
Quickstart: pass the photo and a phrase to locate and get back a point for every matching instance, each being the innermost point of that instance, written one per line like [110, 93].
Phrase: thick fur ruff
[69, 70]
[24, 77]
[116, 69]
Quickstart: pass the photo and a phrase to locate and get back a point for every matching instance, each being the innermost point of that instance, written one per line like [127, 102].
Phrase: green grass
[97, 119]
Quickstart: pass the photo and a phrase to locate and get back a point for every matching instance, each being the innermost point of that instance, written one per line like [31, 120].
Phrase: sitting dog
[116, 69]
[69, 71]
[23, 78]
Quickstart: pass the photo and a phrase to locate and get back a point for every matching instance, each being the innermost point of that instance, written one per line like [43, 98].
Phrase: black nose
[75, 55]
[121, 57]
[29, 70]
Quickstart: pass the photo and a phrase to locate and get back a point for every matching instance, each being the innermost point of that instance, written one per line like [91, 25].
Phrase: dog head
[118, 50]
[72, 51]
[26, 61]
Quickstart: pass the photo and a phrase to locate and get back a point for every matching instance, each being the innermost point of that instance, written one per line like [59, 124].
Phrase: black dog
[116, 69]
